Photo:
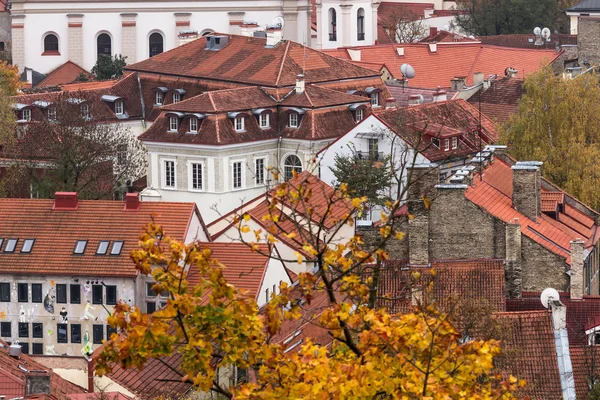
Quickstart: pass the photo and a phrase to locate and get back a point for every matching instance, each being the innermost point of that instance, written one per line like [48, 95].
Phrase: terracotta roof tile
[238, 99]
[586, 367]
[501, 99]
[316, 96]
[57, 231]
[64, 74]
[527, 40]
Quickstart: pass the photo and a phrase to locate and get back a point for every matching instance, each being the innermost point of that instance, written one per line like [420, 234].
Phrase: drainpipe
[279, 153]
[137, 74]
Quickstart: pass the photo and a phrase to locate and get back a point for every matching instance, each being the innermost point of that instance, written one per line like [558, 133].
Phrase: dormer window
[52, 114]
[293, 120]
[26, 114]
[359, 114]
[454, 143]
[375, 99]
[263, 120]
[158, 98]
[85, 111]
[173, 124]
[176, 97]
[193, 125]
[238, 124]
[119, 107]
[446, 144]
[435, 142]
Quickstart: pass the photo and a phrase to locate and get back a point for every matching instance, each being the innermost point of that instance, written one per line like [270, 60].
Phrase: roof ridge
[287, 48]
[308, 98]
[212, 102]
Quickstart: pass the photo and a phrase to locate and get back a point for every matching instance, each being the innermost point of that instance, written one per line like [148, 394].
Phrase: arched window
[156, 44]
[51, 43]
[360, 24]
[104, 43]
[332, 25]
[292, 163]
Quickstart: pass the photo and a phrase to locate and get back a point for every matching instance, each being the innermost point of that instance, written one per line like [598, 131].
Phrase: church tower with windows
[342, 23]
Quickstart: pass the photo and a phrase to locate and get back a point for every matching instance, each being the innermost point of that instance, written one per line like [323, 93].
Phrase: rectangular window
[116, 248]
[237, 174]
[111, 295]
[27, 114]
[85, 111]
[27, 245]
[75, 292]
[359, 114]
[75, 333]
[170, 174]
[149, 291]
[259, 171]
[454, 143]
[6, 329]
[375, 99]
[173, 124]
[80, 247]
[98, 334]
[52, 114]
[38, 348]
[5, 292]
[435, 142]
[36, 293]
[176, 97]
[293, 120]
[446, 144]
[373, 149]
[196, 171]
[150, 307]
[23, 329]
[119, 107]
[102, 247]
[110, 331]
[239, 124]
[97, 295]
[264, 120]
[194, 125]
[23, 292]
[158, 98]
[61, 332]
[61, 293]
[24, 347]
[37, 329]
[11, 245]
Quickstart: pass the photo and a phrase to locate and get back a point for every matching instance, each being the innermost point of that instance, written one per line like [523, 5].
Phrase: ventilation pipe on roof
[274, 35]
[458, 82]
[577, 262]
[65, 201]
[248, 28]
[390, 102]
[14, 350]
[132, 202]
[415, 100]
[433, 31]
[299, 84]
[478, 77]
[511, 72]
[440, 95]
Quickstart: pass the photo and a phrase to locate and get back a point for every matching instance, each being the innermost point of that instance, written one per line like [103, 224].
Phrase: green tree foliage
[499, 17]
[109, 68]
[366, 175]
[558, 122]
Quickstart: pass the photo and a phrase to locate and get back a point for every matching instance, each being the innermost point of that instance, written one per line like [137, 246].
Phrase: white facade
[352, 23]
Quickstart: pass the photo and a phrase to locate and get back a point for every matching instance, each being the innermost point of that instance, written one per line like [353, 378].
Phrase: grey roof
[110, 98]
[586, 6]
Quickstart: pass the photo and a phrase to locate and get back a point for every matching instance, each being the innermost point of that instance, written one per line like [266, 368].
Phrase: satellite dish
[446, 27]
[278, 21]
[547, 294]
[537, 31]
[546, 33]
[408, 72]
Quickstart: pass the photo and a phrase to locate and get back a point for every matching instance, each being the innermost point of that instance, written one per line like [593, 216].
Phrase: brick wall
[588, 40]
[541, 268]
[18, 41]
[75, 39]
[128, 37]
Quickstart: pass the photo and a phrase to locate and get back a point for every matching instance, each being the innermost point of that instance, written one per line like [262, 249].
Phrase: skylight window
[102, 247]
[116, 248]
[27, 245]
[11, 245]
[80, 247]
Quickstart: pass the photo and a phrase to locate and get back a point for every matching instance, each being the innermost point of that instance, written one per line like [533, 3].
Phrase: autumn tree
[558, 123]
[404, 26]
[367, 353]
[82, 152]
[501, 17]
[9, 86]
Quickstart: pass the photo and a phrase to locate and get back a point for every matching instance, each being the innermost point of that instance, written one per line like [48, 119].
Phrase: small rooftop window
[116, 248]
[102, 247]
[11, 245]
[80, 247]
[27, 245]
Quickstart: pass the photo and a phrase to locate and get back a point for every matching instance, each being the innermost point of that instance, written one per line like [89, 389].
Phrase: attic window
[435, 142]
[11, 245]
[239, 124]
[263, 120]
[293, 120]
[80, 247]
[26, 114]
[102, 247]
[119, 107]
[52, 113]
[359, 115]
[116, 248]
[446, 144]
[27, 245]
[454, 143]
[158, 98]
[176, 97]
[85, 111]
[193, 125]
[375, 99]
[173, 124]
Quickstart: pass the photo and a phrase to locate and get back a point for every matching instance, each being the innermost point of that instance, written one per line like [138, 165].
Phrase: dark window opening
[38, 348]
[111, 295]
[110, 331]
[61, 293]
[51, 44]
[332, 25]
[62, 333]
[2, 46]
[156, 44]
[97, 296]
[24, 347]
[75, 333]
[23, 292]
[36, 293]
[75, 294]
[23, 329]
[37, 329]
[5, 329]
[5, 292]
[104, 43]
[149, 291]
[150, 307]
[98, 334]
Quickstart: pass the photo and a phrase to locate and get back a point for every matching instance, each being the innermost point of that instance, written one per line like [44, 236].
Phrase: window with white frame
[169, 174]
[259, 171]
[293, 120]
[375, 99]
[158, 98]
[176, 97]
[173, 124]
[26, 114]
[454, 142]
[85, 111]
[52, 113]
[359, 114]
[236, 168]
[446, 144]
[291, 164]
[239, 124]
[193, 125]
[196, 176]
[263, 120]
[435, 142]
[119, 107]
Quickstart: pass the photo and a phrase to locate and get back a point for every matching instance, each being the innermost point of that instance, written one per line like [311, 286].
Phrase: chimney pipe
[513, 269]
[577, 261]
[65, 201]
[299, 84]
[423, 179]
[274, 35]
[132, 202]
[90, 373]
[432, 31]
[439, 95]
[458, 82]
[526, 196]
[478, 77]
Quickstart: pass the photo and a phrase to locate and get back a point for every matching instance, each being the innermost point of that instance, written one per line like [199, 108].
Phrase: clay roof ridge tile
[287, 48]
[308, 98]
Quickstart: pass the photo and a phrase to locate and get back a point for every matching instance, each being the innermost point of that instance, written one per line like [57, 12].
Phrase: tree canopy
[108, 67]
[558, 123]
[9, 86]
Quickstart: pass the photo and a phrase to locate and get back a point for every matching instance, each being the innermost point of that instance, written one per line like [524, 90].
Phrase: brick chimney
[513, 270]
[478, 77]
[299, 84]
[526, 196]
[577, 260]
[439, 95]
[458, 82]
[65, 201]
[415, 100]
[132, 202]
[432, 31]
[423, 180]
[274, 35]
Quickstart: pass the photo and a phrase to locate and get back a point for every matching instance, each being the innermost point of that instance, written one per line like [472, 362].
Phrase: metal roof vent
[15, 350]
[216, 43]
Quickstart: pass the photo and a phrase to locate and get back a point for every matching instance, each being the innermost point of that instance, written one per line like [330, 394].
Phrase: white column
[374, 7]
[346, 24]
[321, 28]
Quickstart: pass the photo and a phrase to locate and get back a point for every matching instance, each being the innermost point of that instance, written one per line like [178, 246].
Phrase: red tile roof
[93, 396]
[316, 96]
[245, 269]
[238, 99]
[64, 74]
[527, 40]
[500, 100]
[402, 94]
[247, 60]
[453, 59]
[494, 193]
[56, 233]
[586, 368]
[12, 376]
